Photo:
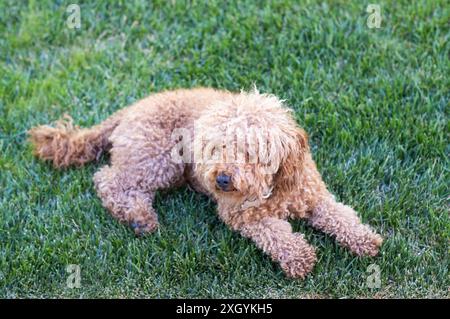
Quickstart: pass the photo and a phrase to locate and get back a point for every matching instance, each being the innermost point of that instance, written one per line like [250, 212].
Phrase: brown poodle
[243, 149]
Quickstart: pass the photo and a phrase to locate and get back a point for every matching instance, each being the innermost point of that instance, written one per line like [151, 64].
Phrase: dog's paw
[298, 261]
[368, 244]
[143, 228]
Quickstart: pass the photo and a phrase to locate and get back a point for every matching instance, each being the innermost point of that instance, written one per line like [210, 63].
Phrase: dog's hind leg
[125, 200]
[128, 195]
[141, 164]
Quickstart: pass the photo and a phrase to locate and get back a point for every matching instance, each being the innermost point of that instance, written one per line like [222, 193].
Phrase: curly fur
[267, 157]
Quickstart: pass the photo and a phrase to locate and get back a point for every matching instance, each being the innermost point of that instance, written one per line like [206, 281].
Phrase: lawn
[375, 102]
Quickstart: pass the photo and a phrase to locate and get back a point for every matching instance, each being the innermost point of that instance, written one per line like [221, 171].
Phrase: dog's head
[248, 148]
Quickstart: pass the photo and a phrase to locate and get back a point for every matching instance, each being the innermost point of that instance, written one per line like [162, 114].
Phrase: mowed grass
[375, 103]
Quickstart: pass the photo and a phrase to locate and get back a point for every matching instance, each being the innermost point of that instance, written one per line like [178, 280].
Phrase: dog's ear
[292, 164]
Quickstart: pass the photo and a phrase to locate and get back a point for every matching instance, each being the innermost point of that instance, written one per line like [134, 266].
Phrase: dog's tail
[66, 144]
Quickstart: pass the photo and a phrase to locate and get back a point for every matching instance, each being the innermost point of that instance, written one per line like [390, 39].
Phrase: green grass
[374, 101]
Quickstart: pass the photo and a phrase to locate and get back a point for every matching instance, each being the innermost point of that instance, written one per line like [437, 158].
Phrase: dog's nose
[223, 181]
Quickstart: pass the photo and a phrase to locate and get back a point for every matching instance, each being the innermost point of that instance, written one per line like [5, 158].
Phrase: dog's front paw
[141, 229]
[299, 260]
[144, 226]
[368, 243]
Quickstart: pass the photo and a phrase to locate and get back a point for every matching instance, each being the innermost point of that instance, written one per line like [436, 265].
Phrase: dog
[245, 150]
